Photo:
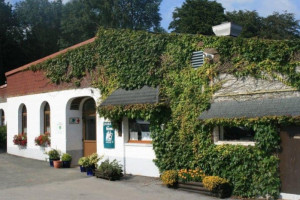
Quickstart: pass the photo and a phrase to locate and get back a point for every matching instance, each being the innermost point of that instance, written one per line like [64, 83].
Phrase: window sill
[139, 143]
[243, 143]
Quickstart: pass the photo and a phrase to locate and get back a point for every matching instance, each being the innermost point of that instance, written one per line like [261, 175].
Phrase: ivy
[132, 59]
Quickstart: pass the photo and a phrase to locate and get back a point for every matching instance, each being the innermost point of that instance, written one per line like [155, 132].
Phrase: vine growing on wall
[132, 59]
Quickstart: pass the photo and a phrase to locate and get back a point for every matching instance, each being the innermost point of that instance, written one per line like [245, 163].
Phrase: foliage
[66, 157]
[112, 170]
[197, 16]
[93, 160]
[87, 16]
[83, 161]
[20, 139]
[169, 177]
[132, 59]
[187, 175]
[3, 136]
[217, 185]
[43, 140]
[53, 154]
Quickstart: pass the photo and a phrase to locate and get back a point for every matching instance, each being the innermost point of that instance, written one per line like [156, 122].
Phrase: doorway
[89, 127]
[290, 160]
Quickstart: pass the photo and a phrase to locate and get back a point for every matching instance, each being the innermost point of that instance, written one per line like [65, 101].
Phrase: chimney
[227, 29]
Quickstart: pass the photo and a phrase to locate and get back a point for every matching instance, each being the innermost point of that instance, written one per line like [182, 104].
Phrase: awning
[145, 95]
[253, 108]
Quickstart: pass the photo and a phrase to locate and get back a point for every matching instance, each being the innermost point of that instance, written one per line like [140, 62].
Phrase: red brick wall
[29, 82]
[3, 91]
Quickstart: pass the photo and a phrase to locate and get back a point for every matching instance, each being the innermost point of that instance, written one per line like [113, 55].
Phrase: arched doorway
[89, 127]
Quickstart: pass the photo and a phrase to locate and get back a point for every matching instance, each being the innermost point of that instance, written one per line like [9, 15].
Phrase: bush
[66, 157]
[53, 154]
[83, 161]
[111, 170]
[185, 175]
[218, 186]
[3, 136]
[169, 177]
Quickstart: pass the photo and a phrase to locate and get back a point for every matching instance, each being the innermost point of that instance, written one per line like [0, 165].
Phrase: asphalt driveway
[22, 178]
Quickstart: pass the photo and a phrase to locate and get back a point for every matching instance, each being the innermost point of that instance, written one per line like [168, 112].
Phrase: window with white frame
[139, 131]
[233, 135]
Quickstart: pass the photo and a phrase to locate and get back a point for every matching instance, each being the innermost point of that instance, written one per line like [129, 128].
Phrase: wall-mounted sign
[109, 135]
[59, 127]
[74, 120]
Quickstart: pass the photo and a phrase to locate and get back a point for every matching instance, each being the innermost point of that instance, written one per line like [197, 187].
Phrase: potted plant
[53, 155]
[92, 163]
[57, 163]
[20, 139]
[66, 160]
[43, 140]
[82, 162]
[109, 170]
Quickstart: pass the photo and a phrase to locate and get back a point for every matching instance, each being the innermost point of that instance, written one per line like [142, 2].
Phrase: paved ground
[28, 179]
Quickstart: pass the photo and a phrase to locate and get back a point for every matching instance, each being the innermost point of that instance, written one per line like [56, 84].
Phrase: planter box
[99, 174]
[196, 187]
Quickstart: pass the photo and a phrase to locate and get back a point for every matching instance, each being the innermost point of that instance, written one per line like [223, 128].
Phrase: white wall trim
[289, 196]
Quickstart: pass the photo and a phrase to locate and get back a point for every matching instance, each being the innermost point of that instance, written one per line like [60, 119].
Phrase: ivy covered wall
[132, 59]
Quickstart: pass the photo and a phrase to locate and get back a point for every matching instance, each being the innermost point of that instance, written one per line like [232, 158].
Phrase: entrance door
[89, 127]
[290, 160]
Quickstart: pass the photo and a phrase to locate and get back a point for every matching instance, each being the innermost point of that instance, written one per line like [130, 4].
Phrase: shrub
[217, 185]
[66, 157]
[20, 139]
[169, 177]
[3, 136]
[111, 170]
[93, 160]
[53, 154]
[185, 175]
[83, 161]
[43, 140]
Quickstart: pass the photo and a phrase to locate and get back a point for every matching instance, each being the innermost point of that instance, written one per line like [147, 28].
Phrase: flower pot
[51, 162]
[57, 163]
[89, 171]
[82, 169]
[66, 164]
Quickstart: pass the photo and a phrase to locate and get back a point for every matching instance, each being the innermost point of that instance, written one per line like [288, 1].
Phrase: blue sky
[263, 7]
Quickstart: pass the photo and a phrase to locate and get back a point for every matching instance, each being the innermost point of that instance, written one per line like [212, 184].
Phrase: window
[24, 120]
[2, 121]
[234, 135]
[139, 131]
[47, 128]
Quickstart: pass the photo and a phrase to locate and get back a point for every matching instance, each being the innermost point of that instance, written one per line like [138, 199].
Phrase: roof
[253, 108]
[48, 57]
[138, 96]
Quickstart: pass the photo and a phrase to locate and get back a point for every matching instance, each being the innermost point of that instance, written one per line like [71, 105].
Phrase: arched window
[24, 120]
[47, 128]
[2, 120]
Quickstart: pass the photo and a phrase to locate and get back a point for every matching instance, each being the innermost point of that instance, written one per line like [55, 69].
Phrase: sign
[59, 127]
[109, 135]
[74, 120]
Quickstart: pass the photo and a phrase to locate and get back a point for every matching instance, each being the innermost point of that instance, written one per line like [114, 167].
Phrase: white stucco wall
[136, 159]
[58, 102]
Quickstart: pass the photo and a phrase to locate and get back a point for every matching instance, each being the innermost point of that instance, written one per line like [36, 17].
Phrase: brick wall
[29, 82]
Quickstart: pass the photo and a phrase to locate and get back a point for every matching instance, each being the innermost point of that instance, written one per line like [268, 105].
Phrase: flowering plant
[186, 175]
[20, 139]
[43, 140]
[169, 177]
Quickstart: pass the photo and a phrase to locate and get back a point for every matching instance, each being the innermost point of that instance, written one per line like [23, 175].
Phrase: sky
[263, 7]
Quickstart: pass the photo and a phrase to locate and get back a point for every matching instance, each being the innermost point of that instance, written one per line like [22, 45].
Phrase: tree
[280, 26]
[250, 20]
[197, 16]
[40, 24]
[81, 18]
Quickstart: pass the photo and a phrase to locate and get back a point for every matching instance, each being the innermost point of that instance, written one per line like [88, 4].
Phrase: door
[89, 127]
[290, 159]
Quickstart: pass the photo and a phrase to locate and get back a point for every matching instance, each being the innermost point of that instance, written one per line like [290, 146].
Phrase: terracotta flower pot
[57, 163]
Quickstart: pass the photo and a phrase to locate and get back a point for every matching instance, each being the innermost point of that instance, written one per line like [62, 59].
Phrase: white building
[31, 104]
